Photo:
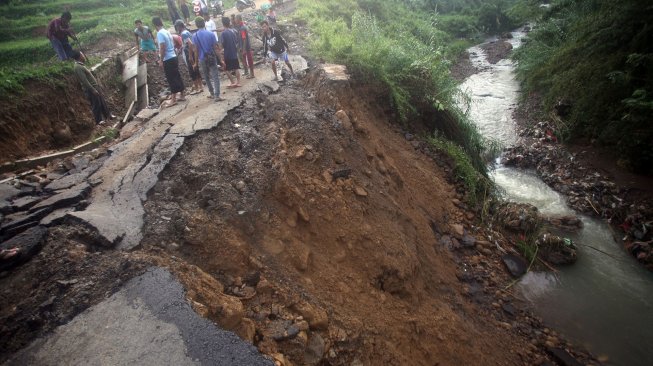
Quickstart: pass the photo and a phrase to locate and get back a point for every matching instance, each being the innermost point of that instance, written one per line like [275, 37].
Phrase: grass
[597, 56]
[410, 59]
[477, 185]
[26, 52]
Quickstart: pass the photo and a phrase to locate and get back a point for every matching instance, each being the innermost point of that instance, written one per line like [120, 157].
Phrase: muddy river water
[604, 302]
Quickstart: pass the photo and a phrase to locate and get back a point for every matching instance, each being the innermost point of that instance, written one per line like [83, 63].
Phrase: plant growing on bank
[597, 57]
[387, 43]
[477, 185]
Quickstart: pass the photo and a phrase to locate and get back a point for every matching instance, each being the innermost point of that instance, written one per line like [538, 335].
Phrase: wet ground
[306, 221]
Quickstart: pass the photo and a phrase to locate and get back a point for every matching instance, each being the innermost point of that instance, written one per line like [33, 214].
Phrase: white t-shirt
[210, 26]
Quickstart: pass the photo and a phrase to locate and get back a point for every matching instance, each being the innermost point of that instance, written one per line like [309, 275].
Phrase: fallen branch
[590, 202]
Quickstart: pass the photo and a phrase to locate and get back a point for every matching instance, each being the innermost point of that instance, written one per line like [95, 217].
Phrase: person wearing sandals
[169, 63]
[189, 57]
[229, 43]
[275, 47]
[246, 46]
[206, 53]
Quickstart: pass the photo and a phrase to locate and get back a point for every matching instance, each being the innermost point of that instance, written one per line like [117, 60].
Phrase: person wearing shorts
[229, 42]
[145, 41]
[275, 47]
[169, 62]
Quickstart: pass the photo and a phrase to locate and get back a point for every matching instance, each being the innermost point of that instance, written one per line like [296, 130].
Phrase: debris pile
[586, 190]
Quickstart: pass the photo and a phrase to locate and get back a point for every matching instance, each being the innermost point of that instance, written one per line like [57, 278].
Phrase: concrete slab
[20, 221]
[143, 95]
[7, 192]
[142, 75]
[148, 322]
[66, 198]
[130, 68]
[131, 94]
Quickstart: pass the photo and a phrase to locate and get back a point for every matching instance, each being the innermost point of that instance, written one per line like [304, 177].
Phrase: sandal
[232, 86]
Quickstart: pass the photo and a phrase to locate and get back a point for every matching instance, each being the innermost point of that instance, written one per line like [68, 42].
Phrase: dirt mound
[323, 227]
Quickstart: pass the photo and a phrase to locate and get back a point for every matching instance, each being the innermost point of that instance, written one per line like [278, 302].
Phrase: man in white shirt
[210, 26]
[169, 63]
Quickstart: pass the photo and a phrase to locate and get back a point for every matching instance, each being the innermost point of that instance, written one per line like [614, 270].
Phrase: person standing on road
[229, 42]
[146, 44]
[189, 56]
[58, 32]
[207, 48]
[169, 62]
[246, 46]
[91, 89]
[239, 44]
[275, 47]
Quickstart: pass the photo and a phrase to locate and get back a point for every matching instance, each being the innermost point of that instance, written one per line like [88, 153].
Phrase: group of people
[207, 52]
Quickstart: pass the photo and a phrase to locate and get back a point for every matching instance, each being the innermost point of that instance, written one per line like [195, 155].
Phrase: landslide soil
[254, 204]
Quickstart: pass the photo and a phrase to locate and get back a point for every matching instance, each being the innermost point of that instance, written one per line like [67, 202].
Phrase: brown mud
[325, 226]
[313, 226]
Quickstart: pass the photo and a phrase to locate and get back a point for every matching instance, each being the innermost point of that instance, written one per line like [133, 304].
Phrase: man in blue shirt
[229, 42]
[208, 49]
[169, 63]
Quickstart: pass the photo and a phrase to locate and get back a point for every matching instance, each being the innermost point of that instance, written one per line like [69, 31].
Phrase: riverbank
[591, 180]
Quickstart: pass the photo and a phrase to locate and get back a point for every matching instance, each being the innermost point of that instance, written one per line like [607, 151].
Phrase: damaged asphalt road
[148, 322]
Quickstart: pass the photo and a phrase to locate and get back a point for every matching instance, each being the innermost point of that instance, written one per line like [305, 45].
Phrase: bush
[597, 55]
[410, 59]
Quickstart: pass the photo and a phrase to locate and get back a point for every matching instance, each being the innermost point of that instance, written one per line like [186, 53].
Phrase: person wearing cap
[58, 32]
[91, 89]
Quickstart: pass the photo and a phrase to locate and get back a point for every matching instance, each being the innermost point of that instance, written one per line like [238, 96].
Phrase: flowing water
[604, 302]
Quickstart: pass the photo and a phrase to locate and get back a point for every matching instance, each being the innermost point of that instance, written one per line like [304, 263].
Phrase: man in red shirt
[58, 32]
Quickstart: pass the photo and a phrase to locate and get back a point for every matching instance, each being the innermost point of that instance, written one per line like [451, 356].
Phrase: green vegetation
[390, 44]
[471, 18]
[476, 183]
[26, 52]
[597, 56]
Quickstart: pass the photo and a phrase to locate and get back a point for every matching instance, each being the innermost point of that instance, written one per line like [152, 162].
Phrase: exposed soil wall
[323, 225]
[52, 116]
